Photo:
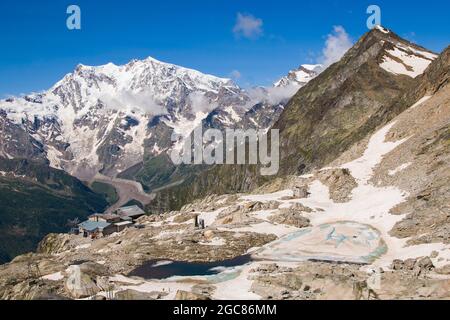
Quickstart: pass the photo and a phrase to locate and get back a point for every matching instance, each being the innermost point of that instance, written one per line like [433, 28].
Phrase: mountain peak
[300, 76]
[145, 73]
[391, 52]
[382, 29]
[385, 34]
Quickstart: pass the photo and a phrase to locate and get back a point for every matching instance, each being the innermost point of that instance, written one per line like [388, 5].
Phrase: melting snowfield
[407, 61]
[340, 242]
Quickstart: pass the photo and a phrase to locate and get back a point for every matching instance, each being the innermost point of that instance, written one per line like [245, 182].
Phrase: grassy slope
[107, 190]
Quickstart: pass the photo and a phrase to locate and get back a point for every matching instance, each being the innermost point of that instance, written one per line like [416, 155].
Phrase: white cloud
[248, 26]
[5, 96]
[235, 75]
[200, 103]
[141, 102]
[337, 44]
[272, 95]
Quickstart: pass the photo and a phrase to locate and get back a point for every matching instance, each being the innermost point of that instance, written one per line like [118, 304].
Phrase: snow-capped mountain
[99, 117]
[300, 76]
[108, 118]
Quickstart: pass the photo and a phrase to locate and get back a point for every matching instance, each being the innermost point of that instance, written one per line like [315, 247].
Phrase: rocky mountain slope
[326, 117]
[336, 109]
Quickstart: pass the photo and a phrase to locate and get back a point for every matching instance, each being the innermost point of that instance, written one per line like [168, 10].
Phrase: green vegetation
[44, 202]
[159, 173]
[107, 190]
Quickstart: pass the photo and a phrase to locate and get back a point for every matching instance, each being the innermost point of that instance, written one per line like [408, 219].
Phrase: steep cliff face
[16, 142]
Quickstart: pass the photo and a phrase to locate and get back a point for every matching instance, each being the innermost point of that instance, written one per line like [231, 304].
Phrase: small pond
[163, 269]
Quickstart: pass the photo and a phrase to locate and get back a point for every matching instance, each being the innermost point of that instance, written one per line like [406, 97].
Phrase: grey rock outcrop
[290, 217]
[79, 284]
[185, 295]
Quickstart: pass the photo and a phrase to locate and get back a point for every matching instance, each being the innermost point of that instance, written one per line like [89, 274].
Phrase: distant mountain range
[118, 120]
[301, 76]
[108, 118]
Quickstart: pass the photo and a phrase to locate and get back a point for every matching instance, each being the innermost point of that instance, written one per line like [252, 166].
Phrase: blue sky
[37, 49]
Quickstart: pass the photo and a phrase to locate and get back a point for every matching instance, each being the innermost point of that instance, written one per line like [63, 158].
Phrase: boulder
[340, 183]
[424, 264]
[94, 269]
[300, 207]
[54, 244]
[291, 217]
[190, 296]
[445, 270]
[419, 265]
[259, 206]
[137, 295]
[409, 264]
[209, 235]
[397, 264]
[79, 284]
[267, 268]
[301, 192]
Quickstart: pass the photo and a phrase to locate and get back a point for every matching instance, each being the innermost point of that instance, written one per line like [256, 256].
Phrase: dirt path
[127, 190]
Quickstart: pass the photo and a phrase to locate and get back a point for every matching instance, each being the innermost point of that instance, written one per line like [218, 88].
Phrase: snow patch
[370, 205]
[167, 286]
[384, 30]
[214, 242]
[399, 169]
[362, 168]
[411, 65]
[54, 276]
[54, 156]
[420, 102]
[83, 246]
